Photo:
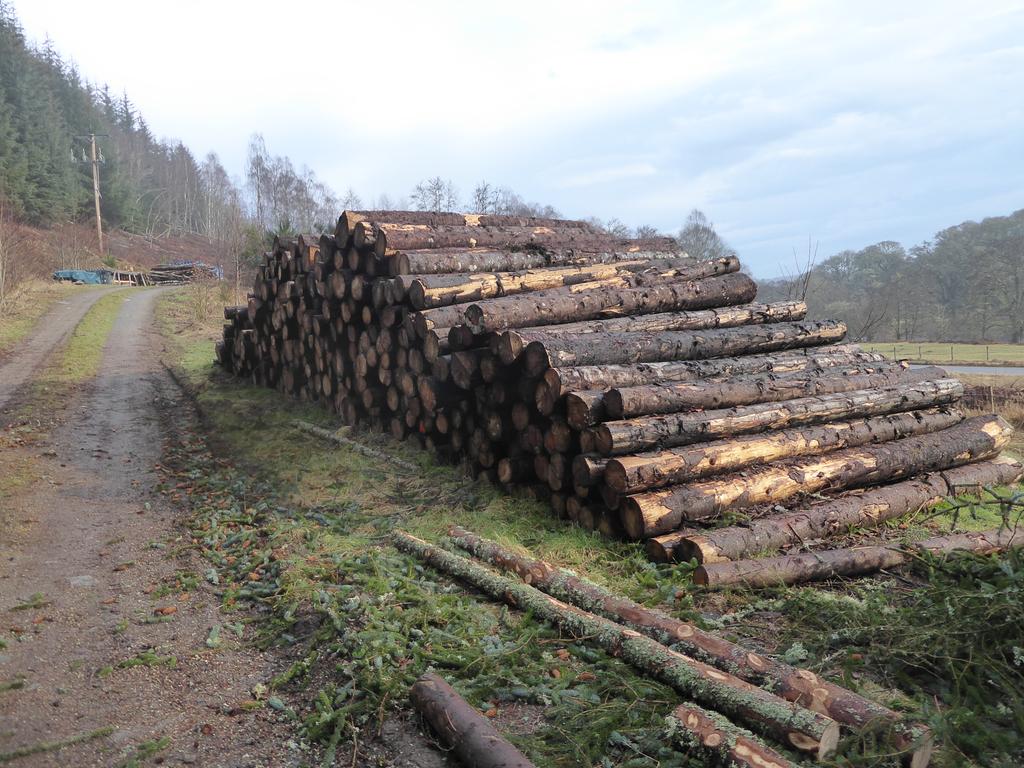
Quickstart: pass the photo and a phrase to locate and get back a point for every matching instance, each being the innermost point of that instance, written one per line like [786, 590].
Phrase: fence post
[951, 353]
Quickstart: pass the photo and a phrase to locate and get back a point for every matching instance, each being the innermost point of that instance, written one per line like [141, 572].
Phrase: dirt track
[50, 333]
[95, 539]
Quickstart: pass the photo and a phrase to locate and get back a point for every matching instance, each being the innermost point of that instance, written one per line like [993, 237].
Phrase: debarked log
[822, 520]
[648, 514]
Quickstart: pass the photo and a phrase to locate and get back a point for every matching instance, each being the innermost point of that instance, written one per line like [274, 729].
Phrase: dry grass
[1006, 399]
[25, 304]
[202, 304]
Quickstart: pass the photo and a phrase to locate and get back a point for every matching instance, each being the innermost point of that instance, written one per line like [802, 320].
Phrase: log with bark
[791, 683]
[588, 302]
[592, 406]
[772, 716]
[461, 728]
[655, 512]
[718, 740]
[856, 561]
[659, 346]
[567, 302]
[558, 382]
[387, 237]
[630, 402]
[643, 471]
[511, 343]
[615, 438]
[437, 261]
[348, 220]
[425, 291]
[858, 509]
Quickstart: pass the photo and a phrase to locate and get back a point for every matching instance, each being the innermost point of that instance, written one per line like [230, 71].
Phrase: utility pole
[95, 161]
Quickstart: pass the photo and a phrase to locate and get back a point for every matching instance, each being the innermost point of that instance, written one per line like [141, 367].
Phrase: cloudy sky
[844, 122]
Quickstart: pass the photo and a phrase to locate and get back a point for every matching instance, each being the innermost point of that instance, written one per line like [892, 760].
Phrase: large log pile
[641, 392]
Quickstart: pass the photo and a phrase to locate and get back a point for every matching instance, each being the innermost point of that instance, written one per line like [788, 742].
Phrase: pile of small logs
[180, 273]
[643, 393]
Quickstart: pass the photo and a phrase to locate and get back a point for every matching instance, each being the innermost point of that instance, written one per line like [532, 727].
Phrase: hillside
[966, 284]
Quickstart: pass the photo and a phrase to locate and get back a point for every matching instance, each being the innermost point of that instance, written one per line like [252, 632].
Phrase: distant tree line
[966, 284]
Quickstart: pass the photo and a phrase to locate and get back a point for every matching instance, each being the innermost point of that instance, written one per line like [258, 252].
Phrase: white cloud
[850, 122]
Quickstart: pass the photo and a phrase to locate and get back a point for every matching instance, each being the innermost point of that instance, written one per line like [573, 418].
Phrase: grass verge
[298, 529]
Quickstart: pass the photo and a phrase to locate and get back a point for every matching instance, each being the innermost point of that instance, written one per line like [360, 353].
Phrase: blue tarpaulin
[88, 276]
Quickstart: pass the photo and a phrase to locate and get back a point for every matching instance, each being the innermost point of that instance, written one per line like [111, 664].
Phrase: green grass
[308, 544]
[146, 751]
[966, 354]
[80, 359]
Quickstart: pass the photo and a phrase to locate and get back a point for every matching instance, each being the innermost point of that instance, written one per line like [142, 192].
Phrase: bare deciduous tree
[483, 198]
[351, 201]
[435, 194]
[699, 238]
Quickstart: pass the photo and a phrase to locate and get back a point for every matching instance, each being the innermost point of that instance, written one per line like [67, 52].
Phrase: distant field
[970, 354]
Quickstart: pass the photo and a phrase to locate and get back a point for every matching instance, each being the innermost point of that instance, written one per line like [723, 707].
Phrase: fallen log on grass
[792, 725]
[860, 509]
[800, 686]
[856, 561]
[355, 445]
[648, 514]
[461, 728]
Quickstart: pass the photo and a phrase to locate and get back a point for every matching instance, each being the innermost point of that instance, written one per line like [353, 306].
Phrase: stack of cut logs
[642, 392]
